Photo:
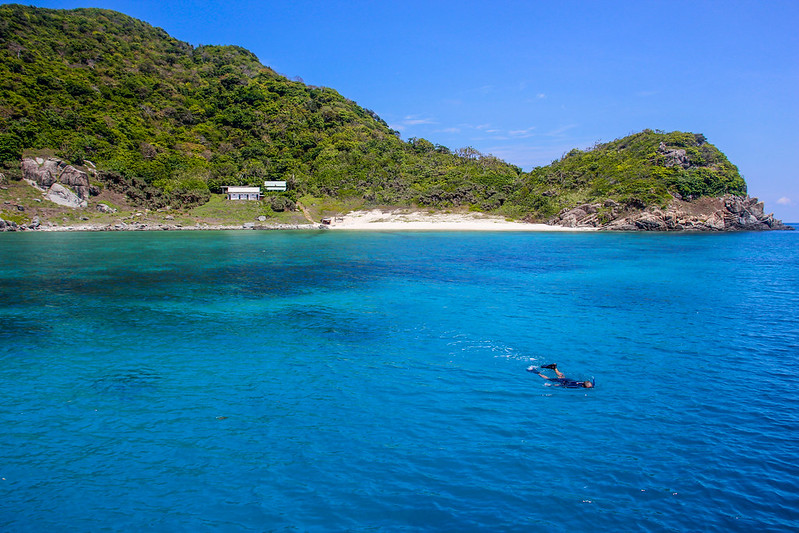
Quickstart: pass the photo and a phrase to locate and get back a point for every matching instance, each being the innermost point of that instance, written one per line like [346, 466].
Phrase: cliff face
[726, 213]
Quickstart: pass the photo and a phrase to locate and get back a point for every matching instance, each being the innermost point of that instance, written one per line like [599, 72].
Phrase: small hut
[242, 193]
[275, 185]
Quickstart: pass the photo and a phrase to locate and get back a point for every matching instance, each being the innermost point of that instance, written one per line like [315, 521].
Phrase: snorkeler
[561, 380]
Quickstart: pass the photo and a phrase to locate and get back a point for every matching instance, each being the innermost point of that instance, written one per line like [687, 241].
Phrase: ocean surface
[337, 381]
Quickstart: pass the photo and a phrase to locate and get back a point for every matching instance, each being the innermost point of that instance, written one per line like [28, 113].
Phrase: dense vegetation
[634, 171]
[96, 85]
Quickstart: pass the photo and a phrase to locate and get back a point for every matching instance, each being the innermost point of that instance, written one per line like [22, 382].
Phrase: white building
[242, 193]
[275, 185]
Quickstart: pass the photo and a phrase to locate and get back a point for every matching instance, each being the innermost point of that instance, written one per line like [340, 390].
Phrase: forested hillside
[639, 170]
[96, 85]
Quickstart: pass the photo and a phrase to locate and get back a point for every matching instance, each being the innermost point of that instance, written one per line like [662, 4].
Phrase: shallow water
[323, 381]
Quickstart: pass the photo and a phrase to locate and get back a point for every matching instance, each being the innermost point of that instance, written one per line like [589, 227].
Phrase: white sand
[403, 219]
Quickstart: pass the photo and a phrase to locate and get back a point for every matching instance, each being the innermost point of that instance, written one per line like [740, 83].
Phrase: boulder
[584, 215]
[48, 172]
[572, 218]
[60, 195]
[715, 221]
[651, 222]
[8, 225]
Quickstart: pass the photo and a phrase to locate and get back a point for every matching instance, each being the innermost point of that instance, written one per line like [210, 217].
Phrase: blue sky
[529, 80]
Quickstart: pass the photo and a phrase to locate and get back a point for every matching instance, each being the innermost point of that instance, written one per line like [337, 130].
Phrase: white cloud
[561, 130]
[528, 132]
[415, 120]
[540, 96]
[785, 201]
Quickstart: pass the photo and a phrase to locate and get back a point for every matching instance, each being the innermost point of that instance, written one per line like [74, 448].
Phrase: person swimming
[561, 380]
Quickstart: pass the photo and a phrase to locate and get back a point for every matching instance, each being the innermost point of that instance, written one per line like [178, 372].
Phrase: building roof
[242, 189]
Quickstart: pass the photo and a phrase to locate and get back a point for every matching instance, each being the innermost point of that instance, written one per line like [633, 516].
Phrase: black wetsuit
[566, 382]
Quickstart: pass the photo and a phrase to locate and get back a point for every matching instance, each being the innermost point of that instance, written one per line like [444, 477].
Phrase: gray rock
[729, 213]
[715, 221]
[572, 218]
[651, 222]
[673, 158]
[60, 195]
[48, 172]
[584, 215]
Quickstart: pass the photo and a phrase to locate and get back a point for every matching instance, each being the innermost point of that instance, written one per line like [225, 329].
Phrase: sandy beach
[404, 220]
[400, 219]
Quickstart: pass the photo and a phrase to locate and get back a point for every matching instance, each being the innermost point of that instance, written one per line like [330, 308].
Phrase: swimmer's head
[588, 384]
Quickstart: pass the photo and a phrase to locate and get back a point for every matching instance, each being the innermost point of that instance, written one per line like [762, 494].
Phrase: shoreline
[167, 227]
[406, 220]
[357, 221]
[366, 220]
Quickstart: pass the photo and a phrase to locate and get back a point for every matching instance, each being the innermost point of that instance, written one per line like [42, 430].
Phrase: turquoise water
[332, 381]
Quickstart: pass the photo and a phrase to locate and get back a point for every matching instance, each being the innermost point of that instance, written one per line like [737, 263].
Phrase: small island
[108, 123]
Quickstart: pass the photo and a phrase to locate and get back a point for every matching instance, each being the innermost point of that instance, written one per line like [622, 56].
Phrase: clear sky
[529, 80]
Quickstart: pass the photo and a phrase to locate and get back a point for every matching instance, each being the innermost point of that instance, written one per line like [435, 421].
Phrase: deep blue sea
[337, 381]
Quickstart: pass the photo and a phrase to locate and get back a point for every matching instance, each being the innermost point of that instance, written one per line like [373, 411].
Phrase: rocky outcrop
[61, 195]
[728, 213]
[674, 157]
[62, 183]
[8, 225]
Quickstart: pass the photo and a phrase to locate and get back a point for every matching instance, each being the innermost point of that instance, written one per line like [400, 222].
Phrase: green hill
[640, 170]
[96, 85]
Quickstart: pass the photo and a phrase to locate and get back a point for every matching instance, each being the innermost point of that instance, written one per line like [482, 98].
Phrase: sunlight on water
[335, 381]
